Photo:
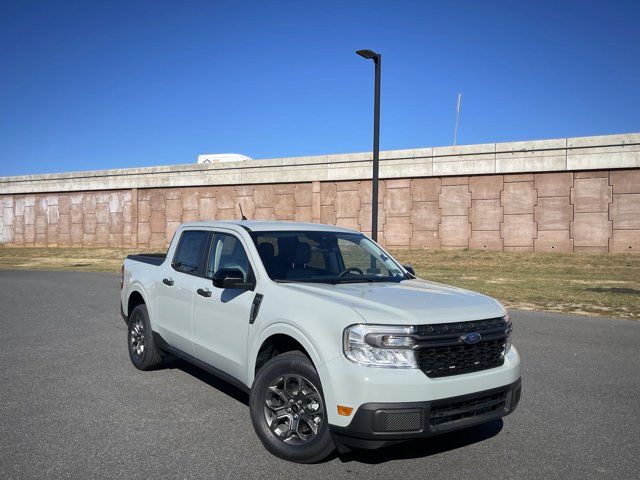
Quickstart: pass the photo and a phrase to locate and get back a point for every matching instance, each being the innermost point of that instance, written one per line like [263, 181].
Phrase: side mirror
[410, 269]
[231, 278]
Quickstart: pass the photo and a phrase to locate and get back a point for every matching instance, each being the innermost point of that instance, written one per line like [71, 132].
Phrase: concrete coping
[581, 153]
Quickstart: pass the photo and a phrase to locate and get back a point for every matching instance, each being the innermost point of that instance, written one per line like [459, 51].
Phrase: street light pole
[377, 60]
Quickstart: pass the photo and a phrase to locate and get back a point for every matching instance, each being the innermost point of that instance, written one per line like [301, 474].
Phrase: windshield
[324, 257]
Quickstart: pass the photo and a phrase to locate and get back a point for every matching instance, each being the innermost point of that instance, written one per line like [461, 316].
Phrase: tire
[139, 334]
[276, 389]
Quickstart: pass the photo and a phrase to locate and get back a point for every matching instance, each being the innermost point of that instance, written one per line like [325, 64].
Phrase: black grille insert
[444, 414]
[442, 352]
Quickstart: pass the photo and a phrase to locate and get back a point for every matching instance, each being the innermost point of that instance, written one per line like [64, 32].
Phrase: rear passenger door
[221, 315]
[177, 288]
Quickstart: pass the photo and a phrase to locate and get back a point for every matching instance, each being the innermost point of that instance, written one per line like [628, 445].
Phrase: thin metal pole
[455, 131]
[376, 150]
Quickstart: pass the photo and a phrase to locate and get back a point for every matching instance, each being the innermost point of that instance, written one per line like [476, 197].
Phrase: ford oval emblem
[471, 338]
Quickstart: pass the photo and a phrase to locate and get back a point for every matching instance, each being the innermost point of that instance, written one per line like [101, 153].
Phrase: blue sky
[105, 84]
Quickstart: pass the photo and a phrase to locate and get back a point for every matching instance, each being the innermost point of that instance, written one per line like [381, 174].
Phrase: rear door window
[190, 252]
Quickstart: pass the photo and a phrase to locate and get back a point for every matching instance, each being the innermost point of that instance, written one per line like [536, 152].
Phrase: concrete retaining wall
[564, 195]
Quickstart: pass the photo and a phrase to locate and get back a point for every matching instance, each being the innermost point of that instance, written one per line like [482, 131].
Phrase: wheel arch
[135, 297]
[280, 338]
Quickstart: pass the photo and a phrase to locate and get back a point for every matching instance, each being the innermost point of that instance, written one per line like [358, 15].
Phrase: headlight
[508, 330]
[380, 346]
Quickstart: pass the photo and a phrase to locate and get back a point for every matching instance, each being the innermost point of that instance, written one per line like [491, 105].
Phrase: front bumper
[376, 425]
[352, 385]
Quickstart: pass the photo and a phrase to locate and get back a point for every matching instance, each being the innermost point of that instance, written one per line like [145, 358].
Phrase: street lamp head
[369, 54]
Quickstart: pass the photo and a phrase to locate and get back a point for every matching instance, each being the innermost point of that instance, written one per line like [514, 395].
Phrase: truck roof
[266, 226]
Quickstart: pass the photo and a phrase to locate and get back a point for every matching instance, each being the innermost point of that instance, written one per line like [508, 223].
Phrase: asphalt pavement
[73, 406]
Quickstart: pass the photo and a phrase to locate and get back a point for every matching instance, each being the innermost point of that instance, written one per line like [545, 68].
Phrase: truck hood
[410, 302]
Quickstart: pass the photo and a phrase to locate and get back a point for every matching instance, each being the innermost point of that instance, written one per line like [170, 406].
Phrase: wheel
[288, 410]
[142, 350]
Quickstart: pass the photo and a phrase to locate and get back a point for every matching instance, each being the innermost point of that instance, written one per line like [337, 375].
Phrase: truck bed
[150, 258]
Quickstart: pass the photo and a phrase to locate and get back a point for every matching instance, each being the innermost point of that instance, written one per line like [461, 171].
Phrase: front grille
[444, 413]
[441, 351]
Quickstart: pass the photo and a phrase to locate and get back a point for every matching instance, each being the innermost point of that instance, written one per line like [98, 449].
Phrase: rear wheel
[142, 350]
[288, 410]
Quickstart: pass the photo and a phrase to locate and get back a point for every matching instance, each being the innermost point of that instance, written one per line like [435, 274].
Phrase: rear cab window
[190, 252]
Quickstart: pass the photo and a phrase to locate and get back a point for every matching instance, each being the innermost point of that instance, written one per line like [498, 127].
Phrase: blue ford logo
[471, 338]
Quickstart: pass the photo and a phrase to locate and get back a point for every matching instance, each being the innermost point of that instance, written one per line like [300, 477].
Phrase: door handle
[168, 282]
[204, 293]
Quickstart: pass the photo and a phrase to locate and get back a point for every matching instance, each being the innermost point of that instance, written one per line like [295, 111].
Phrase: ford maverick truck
[337, 344]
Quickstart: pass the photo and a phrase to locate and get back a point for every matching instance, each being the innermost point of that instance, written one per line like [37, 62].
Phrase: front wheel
[288, 410]
[142, 349]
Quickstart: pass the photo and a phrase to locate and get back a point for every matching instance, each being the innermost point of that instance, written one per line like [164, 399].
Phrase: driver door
[221, 315]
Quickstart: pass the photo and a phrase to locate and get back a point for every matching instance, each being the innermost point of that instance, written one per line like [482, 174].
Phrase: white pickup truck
[336, 342]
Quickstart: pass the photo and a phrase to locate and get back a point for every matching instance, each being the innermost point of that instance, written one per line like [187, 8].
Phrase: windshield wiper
[356, 280]
[336, 281]
[368, 280]
[333, 281]
[298, 280]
